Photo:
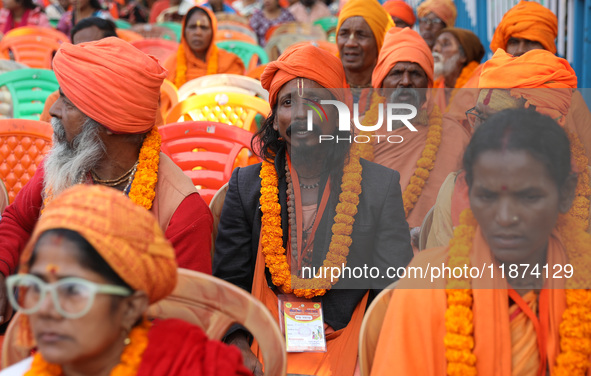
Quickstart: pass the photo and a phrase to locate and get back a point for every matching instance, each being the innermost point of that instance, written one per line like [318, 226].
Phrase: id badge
[302, 323]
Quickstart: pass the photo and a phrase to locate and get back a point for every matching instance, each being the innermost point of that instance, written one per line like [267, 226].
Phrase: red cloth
[178, 348]
[112, 82]
[189, 229]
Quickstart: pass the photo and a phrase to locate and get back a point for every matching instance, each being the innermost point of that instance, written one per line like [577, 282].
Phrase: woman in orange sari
[527, 309]
[198, 55]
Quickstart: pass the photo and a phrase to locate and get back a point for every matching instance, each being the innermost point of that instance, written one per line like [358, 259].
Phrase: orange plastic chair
[234, 35]
[35, 51]
[160, 48]
[23, 144]
[203, 300]
[38, 30]
[129, 35]
[169, 97]
[150, 31]
[230, 108]
[206, 151]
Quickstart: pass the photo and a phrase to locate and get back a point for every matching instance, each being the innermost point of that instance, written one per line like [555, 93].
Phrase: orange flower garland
[142, 191]
[181, 64]
[131, 357]
[272, 233]
[426, 161]
[459, 340]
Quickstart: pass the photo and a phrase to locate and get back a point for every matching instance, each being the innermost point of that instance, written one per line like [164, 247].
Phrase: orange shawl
[417, 317]
[216, 61]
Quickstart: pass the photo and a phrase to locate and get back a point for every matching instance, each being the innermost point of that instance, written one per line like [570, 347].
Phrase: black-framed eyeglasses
[475, 118]
[430, 21]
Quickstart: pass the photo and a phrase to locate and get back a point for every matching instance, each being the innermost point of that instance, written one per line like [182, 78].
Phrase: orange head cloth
[402, 45]
[306, 61]
[543, 79]
[373, 13]
[112, 82]
[124, 234]
[527, 20]
[400, 9]
[444, 9]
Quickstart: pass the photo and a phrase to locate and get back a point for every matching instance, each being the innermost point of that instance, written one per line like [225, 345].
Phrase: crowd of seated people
[491, 172]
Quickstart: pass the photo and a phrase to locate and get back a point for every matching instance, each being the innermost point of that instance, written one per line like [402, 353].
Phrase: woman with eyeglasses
[94, 263]
[515, 298]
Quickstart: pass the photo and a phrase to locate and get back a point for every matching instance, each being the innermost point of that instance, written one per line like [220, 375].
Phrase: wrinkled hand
[250, 360]
[5, 307]
[414, 236]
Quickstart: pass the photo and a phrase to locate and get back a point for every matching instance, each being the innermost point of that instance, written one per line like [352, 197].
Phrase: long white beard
[445, 67]
[67, 163]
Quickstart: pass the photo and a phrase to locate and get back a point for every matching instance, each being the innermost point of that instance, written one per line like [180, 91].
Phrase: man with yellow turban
[104, 134]
[282, 217]
[360, 35]
[537, 79]
[435, 15]
[426, 156]
[108, 260]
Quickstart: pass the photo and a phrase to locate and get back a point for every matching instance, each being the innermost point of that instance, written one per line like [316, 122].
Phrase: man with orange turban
[281, 219]
[435, 15]
[104, 134]
[360, 35]
[402, 13]
[537, 79]
[426, 156]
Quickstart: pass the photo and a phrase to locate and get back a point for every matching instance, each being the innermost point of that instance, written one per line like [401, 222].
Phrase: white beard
[445, 67]
[68, 163]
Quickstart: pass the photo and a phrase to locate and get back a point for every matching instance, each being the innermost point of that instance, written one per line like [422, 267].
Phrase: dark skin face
[519, 46]
[357, 46]
[399, 23]
[430, 28]
[89, 34]
[406, 74]
[198, 34]
[517, 202]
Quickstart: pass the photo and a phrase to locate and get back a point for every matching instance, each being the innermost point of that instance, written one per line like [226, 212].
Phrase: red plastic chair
[206, 151]
[35, 51]
[23, 144]
[160, 48]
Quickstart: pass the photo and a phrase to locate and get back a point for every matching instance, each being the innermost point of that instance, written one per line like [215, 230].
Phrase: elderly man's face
[70, 116]
[357, 45]
[519, 46]
[406, 77]
[292, 113]
[447, 54]
[429, 26]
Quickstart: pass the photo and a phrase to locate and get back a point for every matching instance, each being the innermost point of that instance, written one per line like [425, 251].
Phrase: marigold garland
[181, 64]
[272, 233]
[142, 191]
[426, 161]
[131, 357]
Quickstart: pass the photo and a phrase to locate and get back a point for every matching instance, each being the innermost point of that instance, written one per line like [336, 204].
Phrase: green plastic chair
[245, 52]
[54, 23]
[29, 88]
[329, 25]
[122, 24]
[174, 26]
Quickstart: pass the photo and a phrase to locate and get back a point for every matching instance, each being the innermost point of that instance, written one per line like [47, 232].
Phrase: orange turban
[126, 235]
[400, 9]
[527, 20]
[373, 13]
[444, 9]
[112, 82]
[539, 69]
[402, 45]
[306, 61]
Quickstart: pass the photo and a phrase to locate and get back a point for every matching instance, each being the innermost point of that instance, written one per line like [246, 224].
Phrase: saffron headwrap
[112, 82]
[534, 69]
[402, 45]
[400, 9]
[126, 235]
[527, 20]
[306, 61]
[373, 13]
[444, 9]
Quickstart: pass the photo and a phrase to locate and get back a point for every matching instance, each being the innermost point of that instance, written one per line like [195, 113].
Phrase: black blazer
[380, 234]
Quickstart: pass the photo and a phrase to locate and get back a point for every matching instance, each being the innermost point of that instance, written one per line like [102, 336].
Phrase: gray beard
[415, 101]
[68, 163]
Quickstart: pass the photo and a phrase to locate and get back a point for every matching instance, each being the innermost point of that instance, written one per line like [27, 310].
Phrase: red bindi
[504, 188]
